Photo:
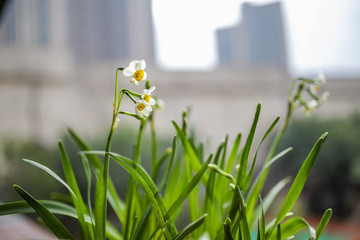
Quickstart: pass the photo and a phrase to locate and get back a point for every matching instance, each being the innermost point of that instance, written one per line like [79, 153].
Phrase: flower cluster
[312, 87]
[136, 72]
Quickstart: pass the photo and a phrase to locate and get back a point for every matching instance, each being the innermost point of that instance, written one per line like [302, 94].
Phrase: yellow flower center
[141, 107]
[317, 87]
[147, 98]
[139, 75]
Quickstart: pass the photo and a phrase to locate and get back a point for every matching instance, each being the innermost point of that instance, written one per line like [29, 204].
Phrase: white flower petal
[152, 101]
[142, 64]
[150, 90]
[320, 78]
[137, 65]
[145, 76]
[132, 65]
[128, 72]
[145, 112]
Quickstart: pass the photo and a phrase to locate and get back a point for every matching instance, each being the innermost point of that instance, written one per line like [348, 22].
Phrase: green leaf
[156, 167]
[300, 180]
[227, 229]
[86, 231]
[223, 158]
[241, 176]
[185, 193]
[116, 203]
[259, 183]
[49, 219]
[190, 152]
[24, 207]
[210, 201]
[149, 193]
[268, 200]
[244, 226]
[55, 208]
[190, 228]
[292, 226]
[262, 222]
[233, 154]
[133, 228]
[324, 221]
[251, 171]
[51, 173]
[168, 168]
[88, 174]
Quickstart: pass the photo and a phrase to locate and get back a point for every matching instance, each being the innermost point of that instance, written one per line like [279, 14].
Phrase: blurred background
[216, 58]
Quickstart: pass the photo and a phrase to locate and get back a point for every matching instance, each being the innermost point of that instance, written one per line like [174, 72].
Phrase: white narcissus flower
[146, 96]
[324, 97]
[311, 106]
[320, 80]
[136, 71]
[142, 108]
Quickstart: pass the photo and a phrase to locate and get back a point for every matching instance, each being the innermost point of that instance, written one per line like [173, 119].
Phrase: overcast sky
[321, 34]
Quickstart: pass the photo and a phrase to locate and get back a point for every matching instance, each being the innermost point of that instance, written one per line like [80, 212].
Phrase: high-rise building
[112, 29]
[257, 41]
[52, 34]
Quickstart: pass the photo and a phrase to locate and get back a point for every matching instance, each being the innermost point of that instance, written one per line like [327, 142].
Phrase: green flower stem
[116, 82]
[131, 194]
[130, 96]
[153, 143]
[138, 143]
[131, 115]
[225, 174]
[128, 93]
[285, 124]
[106, 174]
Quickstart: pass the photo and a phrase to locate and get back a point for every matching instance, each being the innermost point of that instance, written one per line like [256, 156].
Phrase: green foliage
[337, 170]
[188, 197]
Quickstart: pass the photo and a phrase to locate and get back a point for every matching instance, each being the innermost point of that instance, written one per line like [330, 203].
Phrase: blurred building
[58, 62]
[55, 35]
[258, 41]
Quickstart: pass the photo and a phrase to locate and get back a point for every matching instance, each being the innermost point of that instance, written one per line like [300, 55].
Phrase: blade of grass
[55, 208]
[86, 230]
[185, 193]
[115, 201]
[300, 180]
[268, 200]
[251, 171]
[190, 228]
[190, 152]
[149, 193]
[49, 219]
[227, 229]
[156, 168]
[133, 228]
[291, 227]
[233, 154]
[323, 222]
[51, 173]
[262, 222]
[168, 168]
[258, 184]
[241, 176]
[278, 234]
[244, 226]
[210, 199]
[223, 158]
[88, 175]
